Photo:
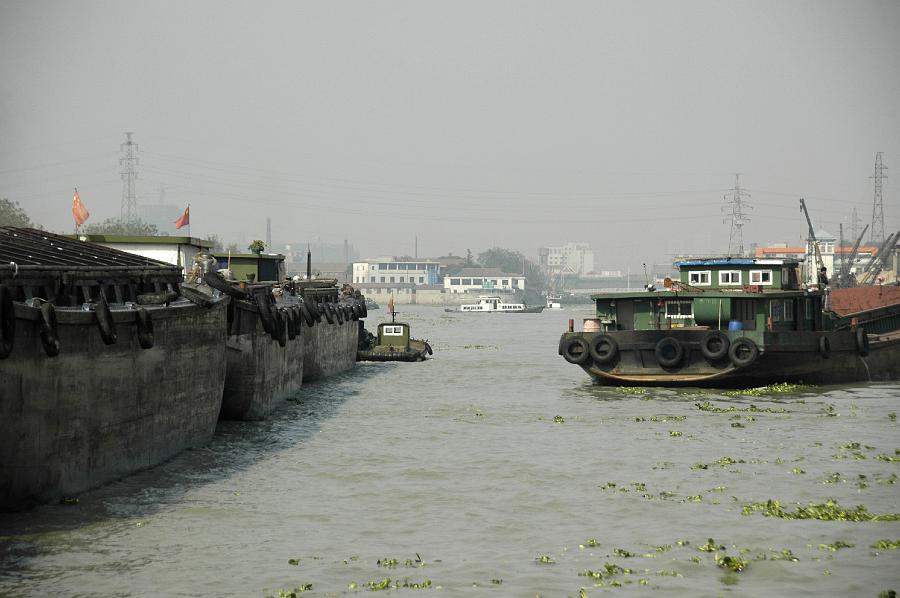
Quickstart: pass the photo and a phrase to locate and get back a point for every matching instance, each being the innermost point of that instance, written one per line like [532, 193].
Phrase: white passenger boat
[553, 301]
[494, 304]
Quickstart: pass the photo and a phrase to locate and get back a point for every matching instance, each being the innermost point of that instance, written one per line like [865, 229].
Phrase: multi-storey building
[571, 258]
[386, 271]
[483, 280]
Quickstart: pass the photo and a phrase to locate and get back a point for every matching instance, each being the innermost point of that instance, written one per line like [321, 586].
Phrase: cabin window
[700, 278]
[776, 310]
[788, 310]
[393, 330]
[760, 277]
[809, 309]
[729, 277]
[680, 308]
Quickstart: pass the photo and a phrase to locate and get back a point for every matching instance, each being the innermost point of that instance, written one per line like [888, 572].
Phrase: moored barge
[107, 365]
[739, 323]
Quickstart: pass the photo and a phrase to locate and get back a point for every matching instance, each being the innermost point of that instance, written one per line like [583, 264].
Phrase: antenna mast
[129, 163]
[877, 232]
[738, 218]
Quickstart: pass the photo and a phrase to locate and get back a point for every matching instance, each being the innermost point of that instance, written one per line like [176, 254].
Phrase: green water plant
[827, 511]
[886, 545]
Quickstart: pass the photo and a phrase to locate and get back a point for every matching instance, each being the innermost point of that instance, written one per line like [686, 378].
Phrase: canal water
[495, 469]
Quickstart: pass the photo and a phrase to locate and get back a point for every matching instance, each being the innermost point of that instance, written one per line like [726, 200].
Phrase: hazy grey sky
[469, 124]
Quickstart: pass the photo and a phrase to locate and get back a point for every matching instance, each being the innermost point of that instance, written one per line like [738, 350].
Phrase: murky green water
[494, 469]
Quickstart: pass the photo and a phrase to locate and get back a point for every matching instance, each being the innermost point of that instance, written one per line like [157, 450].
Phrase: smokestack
[308, 263]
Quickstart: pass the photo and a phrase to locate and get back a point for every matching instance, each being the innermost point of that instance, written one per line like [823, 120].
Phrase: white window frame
[759, 274]
[723, 283]
[700, 274]
[680, 316]
[393, 331]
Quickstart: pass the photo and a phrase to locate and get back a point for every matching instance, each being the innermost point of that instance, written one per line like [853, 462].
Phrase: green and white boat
[739, 323]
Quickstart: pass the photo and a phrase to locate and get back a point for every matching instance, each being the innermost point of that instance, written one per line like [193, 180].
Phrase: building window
[729, 277]
[760, 277]
[421, 279]
[700, 278]
[454, 282]
[476, 281]
[372, 279]
[467, 281]
[680, 309]
[401, 278]
[382, 279]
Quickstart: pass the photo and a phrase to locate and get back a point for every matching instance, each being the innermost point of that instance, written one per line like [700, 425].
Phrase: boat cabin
[722, 294]
[491, 303]
[394, 334]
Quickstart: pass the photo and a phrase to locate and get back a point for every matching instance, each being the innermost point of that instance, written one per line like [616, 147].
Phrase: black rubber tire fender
[325, 308]
[264, 309]
[105, 321]
[428, 349]
[197, 297]
[862, 341]
[49, 329]
[144, 323]
[603, 349]
[307, 316]
[354, 311]
[280, 333]
[743, 352]
[364, 310]
[7, 322]
[576, 350]
[663, 356]
[824, 346]
[220, 284]
[338, 313]
[313, 310]
[714, 345]
[291, 321]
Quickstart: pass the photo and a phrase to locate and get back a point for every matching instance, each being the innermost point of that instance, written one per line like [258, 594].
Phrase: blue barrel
[735, 325]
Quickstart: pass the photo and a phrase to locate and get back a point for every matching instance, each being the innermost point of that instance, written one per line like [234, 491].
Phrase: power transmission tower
[877, 233]
[129, 175]
[269, 233]
[738, 217]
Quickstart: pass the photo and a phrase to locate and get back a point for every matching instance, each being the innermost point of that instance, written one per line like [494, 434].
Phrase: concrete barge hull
[260, 372]
[97, 412]
[330, 348]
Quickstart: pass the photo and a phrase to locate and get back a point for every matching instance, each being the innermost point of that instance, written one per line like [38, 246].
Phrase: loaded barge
[739, 323]
[106, 365]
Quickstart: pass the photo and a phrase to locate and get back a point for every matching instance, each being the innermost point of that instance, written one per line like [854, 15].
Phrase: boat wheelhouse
[733, 322]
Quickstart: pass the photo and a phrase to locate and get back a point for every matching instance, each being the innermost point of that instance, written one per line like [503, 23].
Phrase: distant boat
[370, 304]
[393, 343]
[494, 304]
[553, 301]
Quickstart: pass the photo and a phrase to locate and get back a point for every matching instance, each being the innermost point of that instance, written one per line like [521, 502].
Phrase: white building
[387, 271]
[571, 258]
[482, 280]
[174, 250]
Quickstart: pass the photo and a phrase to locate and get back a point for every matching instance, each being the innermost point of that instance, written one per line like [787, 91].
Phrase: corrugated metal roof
[39, 250]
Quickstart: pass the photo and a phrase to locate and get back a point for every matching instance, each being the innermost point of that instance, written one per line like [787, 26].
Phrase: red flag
[184, 219]
[391, 304]
[79, 212]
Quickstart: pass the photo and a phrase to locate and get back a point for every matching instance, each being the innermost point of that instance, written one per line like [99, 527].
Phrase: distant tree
[232, 248]
[505, 259]
[513, 261]
[12, 215]
[118, 226]
[216, 243]
[469, 261]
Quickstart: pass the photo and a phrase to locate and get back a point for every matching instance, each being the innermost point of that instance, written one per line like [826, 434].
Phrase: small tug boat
[494, 304]
[553, 301]
[393, 343]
